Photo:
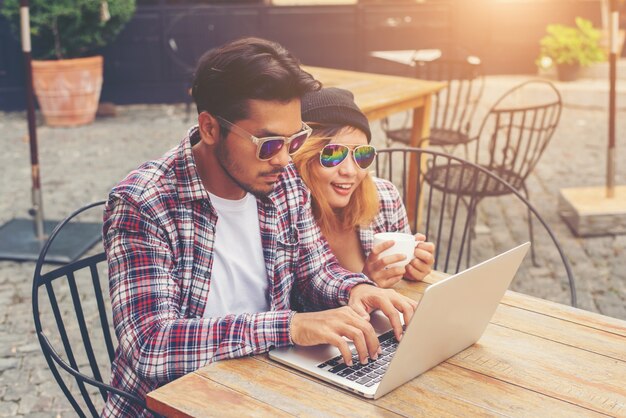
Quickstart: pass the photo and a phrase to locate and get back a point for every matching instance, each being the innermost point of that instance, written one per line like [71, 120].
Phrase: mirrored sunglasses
[269, 146]
[334, 154]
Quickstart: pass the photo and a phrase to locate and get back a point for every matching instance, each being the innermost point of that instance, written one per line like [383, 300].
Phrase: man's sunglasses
[267, 147]
[334, 154]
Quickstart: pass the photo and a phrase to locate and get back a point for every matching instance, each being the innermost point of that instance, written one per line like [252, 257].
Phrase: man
[211, 245]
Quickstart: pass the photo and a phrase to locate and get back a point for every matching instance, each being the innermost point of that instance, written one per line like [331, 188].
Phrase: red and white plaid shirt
[159, 233]
[391, 215]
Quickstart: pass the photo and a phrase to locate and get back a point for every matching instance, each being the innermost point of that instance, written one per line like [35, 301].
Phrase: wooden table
[536, 358]
[407, 56]
[379, 96]
[411, 56]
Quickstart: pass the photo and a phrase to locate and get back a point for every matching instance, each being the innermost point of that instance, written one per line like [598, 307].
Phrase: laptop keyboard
[365, 374]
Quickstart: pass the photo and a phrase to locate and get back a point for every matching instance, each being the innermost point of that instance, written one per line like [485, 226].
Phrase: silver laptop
[452, 315]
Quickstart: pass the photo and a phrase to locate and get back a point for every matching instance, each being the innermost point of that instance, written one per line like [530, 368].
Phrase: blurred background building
[151, 61]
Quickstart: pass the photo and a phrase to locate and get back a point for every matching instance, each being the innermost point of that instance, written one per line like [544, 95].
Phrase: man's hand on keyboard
[331, 326]
[365, 298]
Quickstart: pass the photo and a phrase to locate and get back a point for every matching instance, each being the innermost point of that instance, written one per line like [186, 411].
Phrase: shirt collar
[190, 185]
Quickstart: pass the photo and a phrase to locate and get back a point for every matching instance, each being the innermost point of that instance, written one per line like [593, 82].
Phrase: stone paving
[80, 165]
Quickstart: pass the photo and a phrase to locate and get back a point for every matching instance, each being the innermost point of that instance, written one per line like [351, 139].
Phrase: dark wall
[506, 34]
[405, 26]
[153, 58]
[11, 70]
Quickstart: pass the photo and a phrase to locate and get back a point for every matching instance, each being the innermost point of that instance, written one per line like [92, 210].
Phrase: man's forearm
[164, 350]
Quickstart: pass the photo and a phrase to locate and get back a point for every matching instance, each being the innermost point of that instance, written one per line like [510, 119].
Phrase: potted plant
[67, 76]
[569, 48]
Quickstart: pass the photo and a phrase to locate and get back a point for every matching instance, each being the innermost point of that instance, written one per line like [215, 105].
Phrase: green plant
[70, 28]
[571, 45]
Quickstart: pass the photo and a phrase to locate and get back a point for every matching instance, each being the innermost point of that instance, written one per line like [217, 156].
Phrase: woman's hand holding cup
[391, 252]
[396, 255]
[380, 265]
[423, 259]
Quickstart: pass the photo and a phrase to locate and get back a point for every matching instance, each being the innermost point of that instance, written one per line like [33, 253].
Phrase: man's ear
[209, 128]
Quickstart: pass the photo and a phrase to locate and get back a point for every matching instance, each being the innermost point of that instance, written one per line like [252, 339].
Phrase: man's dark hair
[248, 68]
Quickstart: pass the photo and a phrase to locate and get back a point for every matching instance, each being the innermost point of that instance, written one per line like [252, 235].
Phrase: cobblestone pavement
[80, 165]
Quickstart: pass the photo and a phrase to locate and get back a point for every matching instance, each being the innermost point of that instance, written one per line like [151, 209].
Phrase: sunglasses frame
[350, 151]
[259, 142]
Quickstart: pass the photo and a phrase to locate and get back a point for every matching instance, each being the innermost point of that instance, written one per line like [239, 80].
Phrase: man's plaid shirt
[159, 232]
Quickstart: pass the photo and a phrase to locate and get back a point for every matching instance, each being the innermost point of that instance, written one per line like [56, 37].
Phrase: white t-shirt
[239, 282]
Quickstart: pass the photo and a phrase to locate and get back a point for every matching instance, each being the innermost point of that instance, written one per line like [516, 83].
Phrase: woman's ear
[209, 128]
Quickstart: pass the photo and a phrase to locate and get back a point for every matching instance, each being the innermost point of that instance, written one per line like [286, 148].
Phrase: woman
[349, 204]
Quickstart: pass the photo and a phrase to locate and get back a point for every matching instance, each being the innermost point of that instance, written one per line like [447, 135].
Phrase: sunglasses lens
[364, 155]
[297, 142]
[270, 148]
[333, 154]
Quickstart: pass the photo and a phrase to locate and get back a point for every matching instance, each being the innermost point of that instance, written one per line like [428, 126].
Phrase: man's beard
[230, 168]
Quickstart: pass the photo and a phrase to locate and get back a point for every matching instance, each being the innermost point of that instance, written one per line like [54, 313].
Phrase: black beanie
[334, 106]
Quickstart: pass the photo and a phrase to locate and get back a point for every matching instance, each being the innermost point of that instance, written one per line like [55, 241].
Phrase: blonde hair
[363, 205]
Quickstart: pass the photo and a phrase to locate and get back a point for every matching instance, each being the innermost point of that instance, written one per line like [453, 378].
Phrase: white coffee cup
[403, 244]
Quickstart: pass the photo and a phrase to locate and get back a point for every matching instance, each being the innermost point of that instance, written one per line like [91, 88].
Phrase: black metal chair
[512, 137]
[446, 213]
[79, 312]
[453, 107]
[183, 49]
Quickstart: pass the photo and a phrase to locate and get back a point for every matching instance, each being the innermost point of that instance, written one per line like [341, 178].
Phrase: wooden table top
[407, 56]
[536, 358]
[378, 95]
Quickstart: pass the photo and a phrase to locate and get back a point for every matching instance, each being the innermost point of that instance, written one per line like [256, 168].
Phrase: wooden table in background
[536, 358]
[380, 96]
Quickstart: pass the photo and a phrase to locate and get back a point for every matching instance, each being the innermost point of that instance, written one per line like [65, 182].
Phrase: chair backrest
[454, 106]
[72, 321]
[517, 129]
[180, 37]
[447, 214]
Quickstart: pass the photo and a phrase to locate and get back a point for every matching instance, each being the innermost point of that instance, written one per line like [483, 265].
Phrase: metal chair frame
[511, 139]
[52, 355]
[173, 49]
[453, 107]
[517, 136]
[454, 193]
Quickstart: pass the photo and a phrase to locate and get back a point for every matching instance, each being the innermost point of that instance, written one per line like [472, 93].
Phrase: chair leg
[189, 99]
[188, 111]
[472, 234]
[472, 208]
[530, 229]
[384, 125]
[469, 230]
[469, 249]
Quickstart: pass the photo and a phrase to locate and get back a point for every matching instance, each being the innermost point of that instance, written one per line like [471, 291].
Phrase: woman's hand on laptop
[365, 298]
[331, 326]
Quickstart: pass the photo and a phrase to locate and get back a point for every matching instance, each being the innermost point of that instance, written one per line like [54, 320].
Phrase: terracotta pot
[68, 91]
[567, 72]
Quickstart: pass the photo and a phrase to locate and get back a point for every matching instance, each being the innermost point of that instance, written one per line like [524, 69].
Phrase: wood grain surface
[380, 95]
[536, 358]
